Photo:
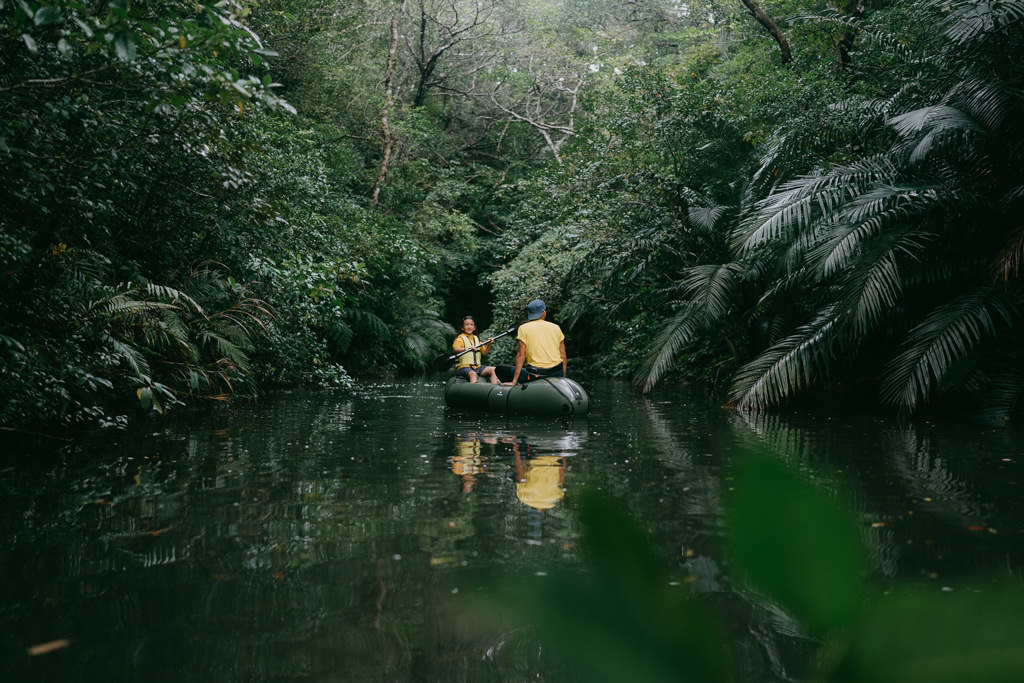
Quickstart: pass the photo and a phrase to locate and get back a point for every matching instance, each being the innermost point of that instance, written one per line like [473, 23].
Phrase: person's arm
[520, 359]
[485, 348]
[565, 359]
[458, 344]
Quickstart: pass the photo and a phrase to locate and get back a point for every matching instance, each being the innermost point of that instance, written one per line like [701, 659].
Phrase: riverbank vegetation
[779, 200]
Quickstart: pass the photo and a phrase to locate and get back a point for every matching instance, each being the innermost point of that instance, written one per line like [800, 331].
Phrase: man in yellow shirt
[541, 347]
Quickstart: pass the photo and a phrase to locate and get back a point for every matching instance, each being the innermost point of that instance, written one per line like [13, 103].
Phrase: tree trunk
[389, 103]
[845, 42]
[772, 28]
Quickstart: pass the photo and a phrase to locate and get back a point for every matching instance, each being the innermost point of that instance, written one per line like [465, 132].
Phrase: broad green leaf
[124, 44]
[145, 395]
[794, 543]
[973, 634]
[623, 619]
[47, 15]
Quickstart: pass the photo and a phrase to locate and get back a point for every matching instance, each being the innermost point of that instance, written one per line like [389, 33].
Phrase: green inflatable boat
[545, 396]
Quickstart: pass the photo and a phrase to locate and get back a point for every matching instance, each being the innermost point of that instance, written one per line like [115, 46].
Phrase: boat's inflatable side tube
[547, 396]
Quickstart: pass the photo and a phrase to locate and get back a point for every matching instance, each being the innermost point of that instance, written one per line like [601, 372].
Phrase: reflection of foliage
[788, 542]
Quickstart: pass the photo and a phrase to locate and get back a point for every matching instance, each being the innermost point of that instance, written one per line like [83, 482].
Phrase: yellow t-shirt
[543, 343]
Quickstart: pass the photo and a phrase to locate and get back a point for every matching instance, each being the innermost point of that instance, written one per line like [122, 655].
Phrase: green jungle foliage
[207, 200]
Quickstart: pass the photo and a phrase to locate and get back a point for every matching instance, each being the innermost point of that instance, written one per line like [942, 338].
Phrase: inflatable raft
[546, 396]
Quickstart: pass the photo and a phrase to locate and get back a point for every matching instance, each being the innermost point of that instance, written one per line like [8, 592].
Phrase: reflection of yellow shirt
[543, 342]
[541, 487]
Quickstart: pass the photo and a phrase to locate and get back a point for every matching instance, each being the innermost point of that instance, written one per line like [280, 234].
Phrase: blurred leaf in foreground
[623, 619]
[794, 543]
[975, 636]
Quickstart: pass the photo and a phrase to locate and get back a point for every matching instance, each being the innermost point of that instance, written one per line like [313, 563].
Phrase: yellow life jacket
[472, 358]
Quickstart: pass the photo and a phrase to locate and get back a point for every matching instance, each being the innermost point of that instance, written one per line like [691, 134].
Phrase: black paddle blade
[442, 362]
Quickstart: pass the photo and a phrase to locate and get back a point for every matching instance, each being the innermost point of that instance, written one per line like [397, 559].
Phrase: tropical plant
[901, 262]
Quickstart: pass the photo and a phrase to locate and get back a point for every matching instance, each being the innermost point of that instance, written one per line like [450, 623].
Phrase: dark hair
[468, 317]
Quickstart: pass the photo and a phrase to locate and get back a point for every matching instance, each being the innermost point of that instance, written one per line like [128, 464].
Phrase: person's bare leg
[472, 376]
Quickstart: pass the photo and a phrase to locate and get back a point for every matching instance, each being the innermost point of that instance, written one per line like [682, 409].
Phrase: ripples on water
[322, 537]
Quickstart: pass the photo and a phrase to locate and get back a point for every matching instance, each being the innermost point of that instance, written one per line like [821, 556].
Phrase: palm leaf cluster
[899, 264]
[169, 345]
[151, 343]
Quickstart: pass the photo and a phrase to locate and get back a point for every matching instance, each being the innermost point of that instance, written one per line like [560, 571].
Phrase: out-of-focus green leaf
[623, 620]
[795, 544]
[145, 395]
[47, 15]
[939, 638]
[125, 46]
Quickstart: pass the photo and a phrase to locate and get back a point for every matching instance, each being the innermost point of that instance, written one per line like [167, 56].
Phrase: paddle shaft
[446, 360]
[482, 344]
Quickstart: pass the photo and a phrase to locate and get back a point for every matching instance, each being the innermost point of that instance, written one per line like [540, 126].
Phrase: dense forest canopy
[778, 200]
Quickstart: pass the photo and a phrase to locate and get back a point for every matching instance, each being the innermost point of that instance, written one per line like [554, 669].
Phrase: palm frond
[788, 367]
[423, 335]
[1011, 256]
[224, 348]
[709, 292]
[134, 358]
[971, 21]
[876, 289]
[678, 332]
[711, 288]
[986, 101]
[800, 201]
[121, 304]
[168, 331]
[171, 294]
[946, 336]
[866, 218]
[706, 217]
[929, 118]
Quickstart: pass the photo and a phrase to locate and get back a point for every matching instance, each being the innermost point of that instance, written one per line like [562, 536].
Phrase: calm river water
[337, 538]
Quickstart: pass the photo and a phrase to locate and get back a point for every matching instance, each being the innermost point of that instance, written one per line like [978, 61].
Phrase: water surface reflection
[319, 537]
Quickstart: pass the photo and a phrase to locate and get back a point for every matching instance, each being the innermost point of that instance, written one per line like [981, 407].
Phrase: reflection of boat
[545, 396]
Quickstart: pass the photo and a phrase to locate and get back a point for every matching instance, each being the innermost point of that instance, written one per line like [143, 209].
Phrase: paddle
[444, 361]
